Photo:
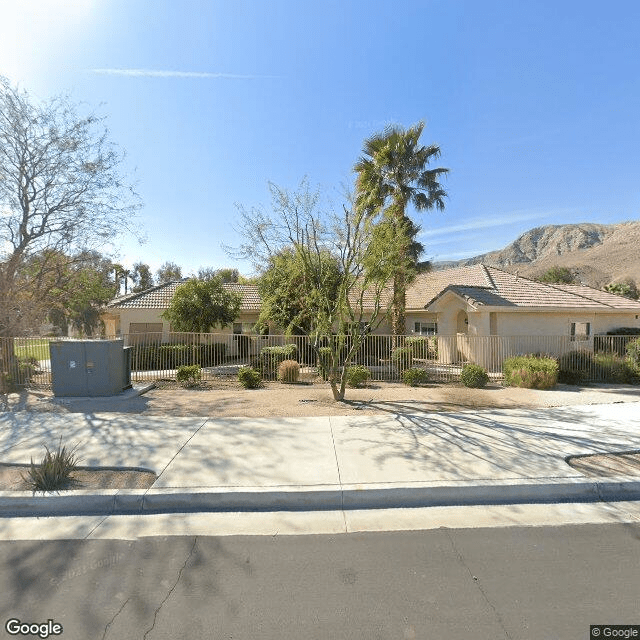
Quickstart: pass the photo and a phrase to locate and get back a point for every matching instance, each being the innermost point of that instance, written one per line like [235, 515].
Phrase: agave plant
[54, 472]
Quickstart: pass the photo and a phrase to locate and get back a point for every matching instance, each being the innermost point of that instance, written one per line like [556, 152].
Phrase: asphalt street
[534, 583]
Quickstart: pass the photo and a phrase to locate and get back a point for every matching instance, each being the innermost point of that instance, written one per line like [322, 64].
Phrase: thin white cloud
[499, 221]
[163, 73]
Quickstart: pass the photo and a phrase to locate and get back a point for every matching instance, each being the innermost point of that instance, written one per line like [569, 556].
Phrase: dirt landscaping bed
[226, 398]
[12, 478]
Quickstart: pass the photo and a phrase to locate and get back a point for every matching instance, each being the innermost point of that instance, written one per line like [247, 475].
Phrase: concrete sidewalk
[505, 456]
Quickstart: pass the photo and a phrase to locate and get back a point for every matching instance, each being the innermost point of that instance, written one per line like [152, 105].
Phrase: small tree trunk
[399, 305]
[338, 392]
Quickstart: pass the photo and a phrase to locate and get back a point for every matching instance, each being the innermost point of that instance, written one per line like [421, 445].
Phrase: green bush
[530, 372]
[633, 353]
[54, 472]
[270, 358]
[611, 368]
[357, 375]
[188, 375]
[402, 358]
[249, 378]
[415, 376]
[474, 376]
[289, 371]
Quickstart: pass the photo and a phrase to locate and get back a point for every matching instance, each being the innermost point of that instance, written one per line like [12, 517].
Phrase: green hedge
[154, 357]
[577, 367]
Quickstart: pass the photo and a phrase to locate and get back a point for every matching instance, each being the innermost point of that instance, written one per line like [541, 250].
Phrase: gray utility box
[90, 367]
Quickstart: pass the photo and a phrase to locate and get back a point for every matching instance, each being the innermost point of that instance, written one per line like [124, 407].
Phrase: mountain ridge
[596, 254]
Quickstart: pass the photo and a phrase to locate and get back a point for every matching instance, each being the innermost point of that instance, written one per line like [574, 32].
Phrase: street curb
[318, 498]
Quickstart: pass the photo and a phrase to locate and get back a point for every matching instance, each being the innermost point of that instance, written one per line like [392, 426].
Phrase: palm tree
[392, 174]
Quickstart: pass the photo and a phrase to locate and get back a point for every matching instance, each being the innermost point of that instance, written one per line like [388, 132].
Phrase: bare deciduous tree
[61, 192]
[340, 316]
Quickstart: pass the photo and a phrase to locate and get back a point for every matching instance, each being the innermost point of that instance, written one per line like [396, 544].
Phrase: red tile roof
[489, 286]
[160, 296]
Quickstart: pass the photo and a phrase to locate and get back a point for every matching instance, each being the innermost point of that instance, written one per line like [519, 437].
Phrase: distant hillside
[596, 253]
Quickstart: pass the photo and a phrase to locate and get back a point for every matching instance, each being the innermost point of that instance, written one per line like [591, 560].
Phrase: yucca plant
[54, 472]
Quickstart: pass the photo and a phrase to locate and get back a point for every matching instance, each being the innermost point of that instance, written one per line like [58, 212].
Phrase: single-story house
[141, 313]
[482, 301]
[461, 303]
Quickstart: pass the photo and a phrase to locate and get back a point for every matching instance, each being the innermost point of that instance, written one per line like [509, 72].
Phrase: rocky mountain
[596, 253]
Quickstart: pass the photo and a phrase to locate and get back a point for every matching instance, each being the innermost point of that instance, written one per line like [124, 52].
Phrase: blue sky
[535, 105]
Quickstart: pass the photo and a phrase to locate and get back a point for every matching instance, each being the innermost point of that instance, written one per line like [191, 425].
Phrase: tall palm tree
[393, 174]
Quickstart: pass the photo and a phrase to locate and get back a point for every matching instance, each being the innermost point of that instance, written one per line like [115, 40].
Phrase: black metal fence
[155, 356]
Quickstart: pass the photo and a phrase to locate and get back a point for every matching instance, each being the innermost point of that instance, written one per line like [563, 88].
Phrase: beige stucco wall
[557, 323]
[521, 333]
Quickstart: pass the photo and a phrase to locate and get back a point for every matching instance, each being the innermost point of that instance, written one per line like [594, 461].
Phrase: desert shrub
[54, 472]
[188, 375]
[288, 371]
[402, 358]
[611, 368]
[270, 358]
[249, 378]
[357, 375]
[575, 367]
[530, 372]
[633, 353]
[474, 376]
[415, 376]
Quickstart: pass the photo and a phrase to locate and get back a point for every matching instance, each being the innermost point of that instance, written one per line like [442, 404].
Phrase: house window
[580, 330]
[425, 328]
[237, 328]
